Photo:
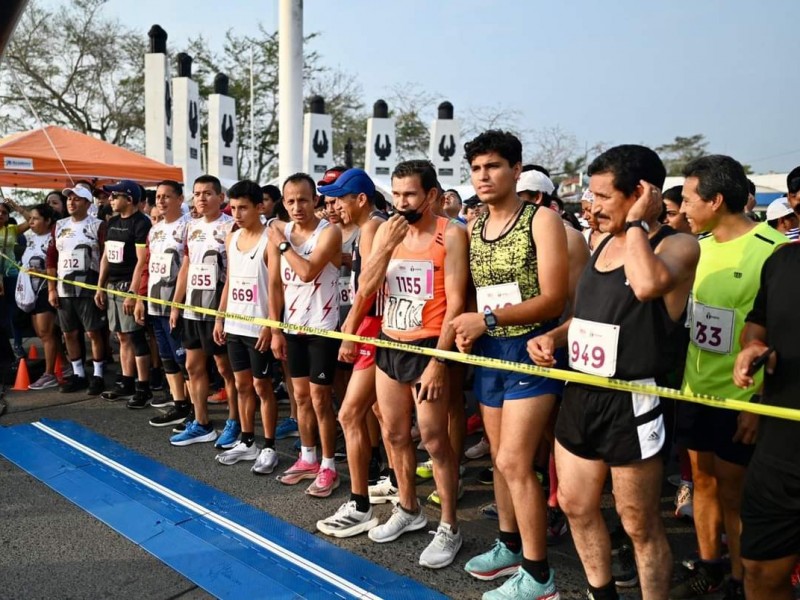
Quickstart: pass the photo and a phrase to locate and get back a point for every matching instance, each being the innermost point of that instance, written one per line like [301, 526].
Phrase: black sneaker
[175, 416]
[119, 391]
[96, 385]
[619, 539]
[486, 477]
[156, 379]
[701, 581]
[140, 399]
[374, 470]
[556, 525]
[73, 384]
[162, 401]
[182, 426]
[623, 568]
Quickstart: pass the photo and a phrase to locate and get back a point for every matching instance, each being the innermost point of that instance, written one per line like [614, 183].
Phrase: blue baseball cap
[126, 186]
[352, 181]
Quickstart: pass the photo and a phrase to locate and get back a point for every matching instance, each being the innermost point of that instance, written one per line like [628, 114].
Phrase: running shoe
[623, 568]
[683, 501]
[240, 451]
[156, 379]
[119, 391]
[479, 450]
[523, 585]
[182, 426]
[218, 397]
[266, 462]
[96, 385]
[348, 521]
[298, 471]
[162, 401]
[140, 399]
[229, 435]
[399, 523]
[425, 469]
[287, 428]
[326, 481]
[374, 472]
[474, 424]
[699, 583]
[490, 511]
[443, 548]
[194, 434]
[19, 351]
[46, 381]
[496, 562]
[383, 491]
[486, 477]
[175, 416]
[433, 498]
[556, 525]
[73, 384]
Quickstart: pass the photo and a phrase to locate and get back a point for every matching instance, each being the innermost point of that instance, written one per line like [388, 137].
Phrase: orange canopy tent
[27, 160]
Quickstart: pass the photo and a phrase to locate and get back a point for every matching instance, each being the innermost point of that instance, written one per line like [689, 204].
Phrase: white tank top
[247, 285]
[316, 303]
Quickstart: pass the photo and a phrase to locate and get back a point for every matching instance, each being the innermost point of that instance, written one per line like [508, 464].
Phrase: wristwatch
[637, 223]
[489, 319]
[284, 246]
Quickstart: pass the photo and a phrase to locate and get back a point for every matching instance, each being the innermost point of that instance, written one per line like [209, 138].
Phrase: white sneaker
[399, 523]
[383, 491]
[348, 521]
[683, 501]
[443, 549]
[240, 451]
[266, 462]
[479, 450]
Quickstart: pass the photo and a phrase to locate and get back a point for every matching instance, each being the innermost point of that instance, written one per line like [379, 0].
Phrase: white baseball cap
[79, 191]
[778, 208]
[535, 181]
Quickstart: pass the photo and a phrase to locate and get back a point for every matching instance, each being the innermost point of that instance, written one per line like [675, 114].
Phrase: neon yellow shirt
[725, 286]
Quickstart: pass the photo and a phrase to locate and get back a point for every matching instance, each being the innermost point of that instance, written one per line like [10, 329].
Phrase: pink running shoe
[298, 471]
[327, 480]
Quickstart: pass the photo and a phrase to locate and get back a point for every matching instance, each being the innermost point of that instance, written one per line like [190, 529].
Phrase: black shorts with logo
[243, 356]
[312, 356]
[199, 335]
[616, 427]
[404, 367]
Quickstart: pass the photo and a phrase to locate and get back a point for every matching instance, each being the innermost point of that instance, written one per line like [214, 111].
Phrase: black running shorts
[243, 356]
[404, 367]
[312, 356]
[199, 335]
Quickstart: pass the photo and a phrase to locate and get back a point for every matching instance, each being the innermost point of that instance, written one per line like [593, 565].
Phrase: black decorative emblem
[385, 150]
[193, 122]
[227, 130]
[168, 103]
[320, 147]
[445, 151]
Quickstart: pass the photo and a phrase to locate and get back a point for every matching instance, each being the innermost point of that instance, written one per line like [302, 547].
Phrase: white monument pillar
[223, 139]
[186, 126]
[157, 98]
[381, 148]
[317, 139]
[290, 87]
[445, 150]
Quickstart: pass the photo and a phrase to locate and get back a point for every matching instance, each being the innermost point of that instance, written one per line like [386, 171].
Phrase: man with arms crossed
[422, 260]
[520, 268]
[630, 299]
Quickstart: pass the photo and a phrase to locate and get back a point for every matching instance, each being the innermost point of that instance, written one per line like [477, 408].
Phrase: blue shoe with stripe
[229, 435]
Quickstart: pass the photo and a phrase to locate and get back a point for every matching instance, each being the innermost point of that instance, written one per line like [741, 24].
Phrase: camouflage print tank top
[505, 270]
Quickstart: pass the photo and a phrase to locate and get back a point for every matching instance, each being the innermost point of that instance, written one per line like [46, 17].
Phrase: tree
[680, 151]
[77, 68]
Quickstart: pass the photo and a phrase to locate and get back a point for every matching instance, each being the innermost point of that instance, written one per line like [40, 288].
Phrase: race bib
[403, 314]
[345, 292]
[410, 279]
[160, 266]
[243, 290]
[712, 328]
[203, 277]
[71, 261]
[114, 252]
[492, 297]
[593, 347]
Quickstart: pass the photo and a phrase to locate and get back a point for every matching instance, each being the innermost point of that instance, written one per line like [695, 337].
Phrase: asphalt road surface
[50, 548]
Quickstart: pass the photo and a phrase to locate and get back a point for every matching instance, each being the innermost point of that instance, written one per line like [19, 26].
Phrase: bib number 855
[201, 280]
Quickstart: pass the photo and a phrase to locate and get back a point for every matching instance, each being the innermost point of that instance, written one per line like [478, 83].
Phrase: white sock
[98, 368]
[77, 368]
[309, 454]
[328, 463]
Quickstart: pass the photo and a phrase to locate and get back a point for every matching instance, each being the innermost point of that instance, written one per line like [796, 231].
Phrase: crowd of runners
[680, 287]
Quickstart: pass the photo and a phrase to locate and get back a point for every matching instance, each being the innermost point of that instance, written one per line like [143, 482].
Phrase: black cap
[793, 180]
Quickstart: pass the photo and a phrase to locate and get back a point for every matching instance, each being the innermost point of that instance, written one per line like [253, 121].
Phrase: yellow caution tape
[478, 361]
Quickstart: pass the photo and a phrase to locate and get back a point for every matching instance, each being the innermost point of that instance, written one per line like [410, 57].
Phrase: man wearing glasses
[121, 268]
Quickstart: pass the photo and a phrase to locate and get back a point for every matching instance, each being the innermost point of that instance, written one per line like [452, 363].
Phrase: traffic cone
[58, 368]
[33, 353]
[23, 379]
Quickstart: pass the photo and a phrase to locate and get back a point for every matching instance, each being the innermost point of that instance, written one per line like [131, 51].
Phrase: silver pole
[290, 84]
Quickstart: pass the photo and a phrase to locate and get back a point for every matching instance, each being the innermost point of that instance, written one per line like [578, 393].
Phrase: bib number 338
[593, 347]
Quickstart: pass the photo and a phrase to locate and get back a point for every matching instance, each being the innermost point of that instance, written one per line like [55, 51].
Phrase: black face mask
[412, 215]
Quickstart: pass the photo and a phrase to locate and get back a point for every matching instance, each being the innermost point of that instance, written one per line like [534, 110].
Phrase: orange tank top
[415, 297]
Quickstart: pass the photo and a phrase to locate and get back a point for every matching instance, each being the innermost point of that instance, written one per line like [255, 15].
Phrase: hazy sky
[616, 71]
